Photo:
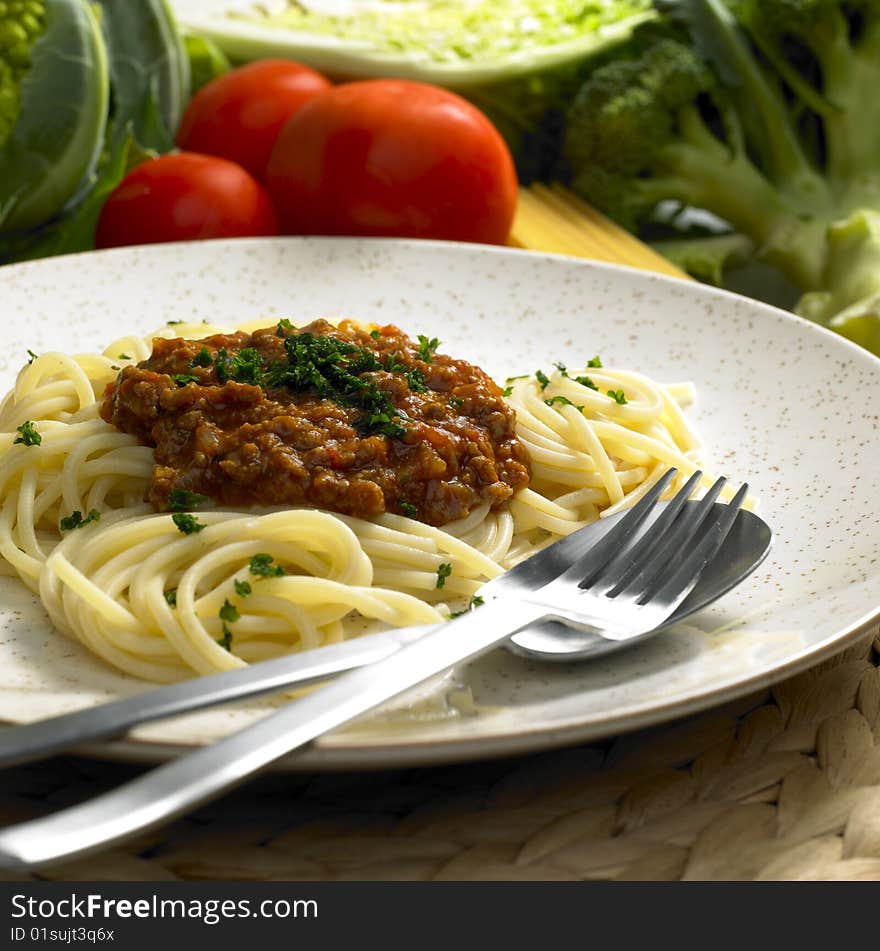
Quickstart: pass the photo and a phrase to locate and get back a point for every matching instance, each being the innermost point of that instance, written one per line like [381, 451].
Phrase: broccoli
[764, 113]
[53, 106]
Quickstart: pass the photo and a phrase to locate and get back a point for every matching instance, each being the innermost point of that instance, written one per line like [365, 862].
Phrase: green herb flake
[618, 397]
[247, 367]
[76, 520]
[226, 640]
[182, 500]
[563, 401]
[242, 588]
[283, 328]
[542, 378]
[262, 566]
[507, 391]
[171, 596]
[375, 334]
[476, 601]
[228, 612]
[455, 401]
[595, 364]
[408, 509]
[182, 379]
[32, 356]
[222, 365]
[563, 369]
[587, 382]
[186, 523]
[122, 356]
[427, 347]
[443, 572]
[27, 434]
[173, 323]
[202, 359]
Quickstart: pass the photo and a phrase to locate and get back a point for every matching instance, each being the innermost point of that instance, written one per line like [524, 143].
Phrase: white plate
[782, 404]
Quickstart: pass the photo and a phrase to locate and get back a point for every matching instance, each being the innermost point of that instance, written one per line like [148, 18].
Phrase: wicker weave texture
[782, 785]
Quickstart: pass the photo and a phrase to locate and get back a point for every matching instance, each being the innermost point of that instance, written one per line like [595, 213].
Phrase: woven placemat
[780, 785]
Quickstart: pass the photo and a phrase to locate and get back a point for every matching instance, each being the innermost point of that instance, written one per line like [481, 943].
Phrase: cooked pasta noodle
[250, 585]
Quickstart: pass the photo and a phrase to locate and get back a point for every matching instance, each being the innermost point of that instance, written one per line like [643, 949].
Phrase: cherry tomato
[182, 196]
[238, 115]
[394, 158]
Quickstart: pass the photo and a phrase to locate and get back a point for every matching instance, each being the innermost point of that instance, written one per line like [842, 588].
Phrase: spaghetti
[161, 597]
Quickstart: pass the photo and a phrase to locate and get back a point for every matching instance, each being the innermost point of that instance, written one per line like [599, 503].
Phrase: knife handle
[33, 741]
[187, 782]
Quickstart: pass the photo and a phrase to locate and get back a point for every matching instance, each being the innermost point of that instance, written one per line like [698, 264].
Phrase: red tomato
[238, 115]
[182, 196]
[395, 158]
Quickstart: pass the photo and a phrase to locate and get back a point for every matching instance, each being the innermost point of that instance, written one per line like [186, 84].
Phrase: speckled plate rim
[323, 755]
[338, 752]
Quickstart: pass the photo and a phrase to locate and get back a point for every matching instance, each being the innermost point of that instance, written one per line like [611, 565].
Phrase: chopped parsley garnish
[595, 364]
[283, 325]
[242, 588]
[427, 347]
[27, 434]
[542, 378]
[181, 379]
[414, 377]
[375, 334]
[247, 367]
[393, 364]
[511, 379]
[476, 602]
[455, 401]
[507, 391]
[186, 523]
[380, 424]
[618, 397]
[171, 597]
[263, 566]
[222, 365]
[202, 359]
[173, 323]
[228, 612]
[563, 401]
[122, 356]
[32, 356]
[563, 369]
[408, 509]
[182, 500]
[415, 380]
[443, 572]
[76, 520]
[226, 640]
[587, 382]
[334, 369]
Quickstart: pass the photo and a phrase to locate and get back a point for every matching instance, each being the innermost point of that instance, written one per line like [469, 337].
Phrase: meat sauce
[346, 419]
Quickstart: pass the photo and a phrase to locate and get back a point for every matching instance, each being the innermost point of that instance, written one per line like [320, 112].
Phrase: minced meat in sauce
[356, 421]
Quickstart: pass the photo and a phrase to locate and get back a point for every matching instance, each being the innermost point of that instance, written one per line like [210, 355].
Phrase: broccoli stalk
[765, 113]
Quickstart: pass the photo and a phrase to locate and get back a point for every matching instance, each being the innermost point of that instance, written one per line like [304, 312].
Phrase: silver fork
[628, 583]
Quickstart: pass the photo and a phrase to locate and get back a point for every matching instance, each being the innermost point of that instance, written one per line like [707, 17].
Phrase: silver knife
[106, 721]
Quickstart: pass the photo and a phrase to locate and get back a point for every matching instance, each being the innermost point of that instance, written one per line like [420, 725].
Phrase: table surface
[784, 784]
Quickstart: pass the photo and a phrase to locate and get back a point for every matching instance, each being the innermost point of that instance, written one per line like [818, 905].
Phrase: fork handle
[193, 779]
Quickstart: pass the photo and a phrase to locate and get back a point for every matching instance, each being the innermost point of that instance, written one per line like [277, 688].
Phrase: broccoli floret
[765, 113]
[22, 22]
